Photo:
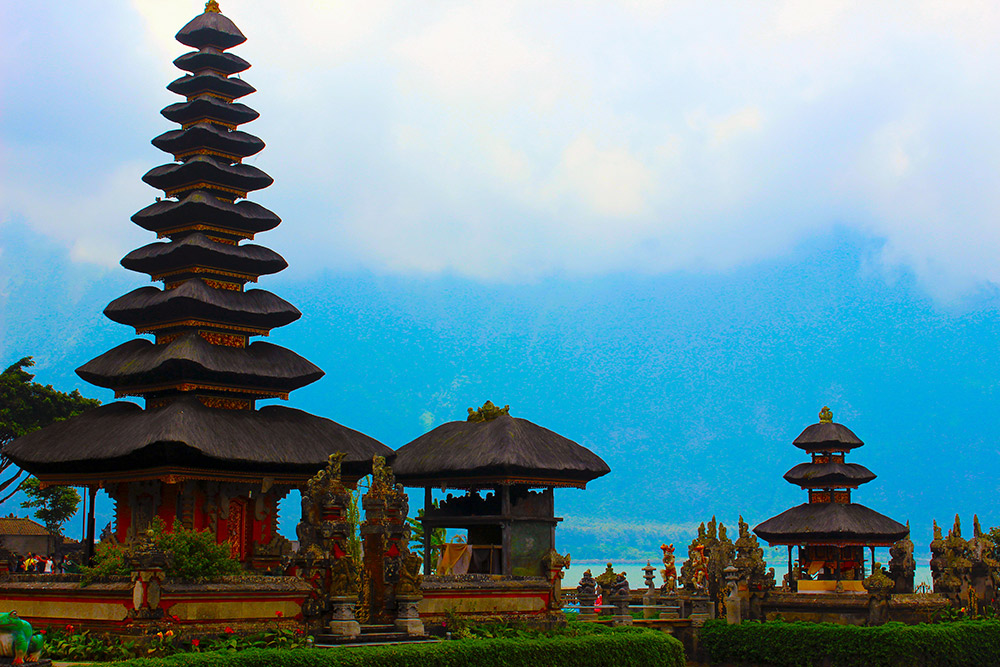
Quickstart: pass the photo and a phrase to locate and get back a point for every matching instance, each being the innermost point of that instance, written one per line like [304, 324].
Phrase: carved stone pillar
[385, 536]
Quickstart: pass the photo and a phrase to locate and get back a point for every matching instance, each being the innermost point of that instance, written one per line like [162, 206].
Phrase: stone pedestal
[407, 616]
[649, 605]
[670, 606]
[622, 619]
[343, 622]
[620, 600]
[586, 606]
[702, 610]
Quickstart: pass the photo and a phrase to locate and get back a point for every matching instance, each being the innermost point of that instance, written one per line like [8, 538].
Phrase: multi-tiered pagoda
[200, 452]
[830, 530]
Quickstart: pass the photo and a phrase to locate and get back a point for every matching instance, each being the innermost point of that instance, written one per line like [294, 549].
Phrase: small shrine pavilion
[830, 531]
[200, 451]
[516, 464]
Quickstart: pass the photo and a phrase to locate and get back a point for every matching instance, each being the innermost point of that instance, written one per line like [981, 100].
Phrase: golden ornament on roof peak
[825, 416]
[212, 6]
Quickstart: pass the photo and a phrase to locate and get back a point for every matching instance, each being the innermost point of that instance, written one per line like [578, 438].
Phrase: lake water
[776, 559]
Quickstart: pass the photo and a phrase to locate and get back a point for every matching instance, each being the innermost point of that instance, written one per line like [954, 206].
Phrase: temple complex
[200, 451]
[830, 531]
[507, 468]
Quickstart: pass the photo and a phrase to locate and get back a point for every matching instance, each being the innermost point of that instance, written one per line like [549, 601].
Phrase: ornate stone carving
[487, 412]
[554, 565]
[749, 563]
[586, 596]
[619, 596]
[902, 565]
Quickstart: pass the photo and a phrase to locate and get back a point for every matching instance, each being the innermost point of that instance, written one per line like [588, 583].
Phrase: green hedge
[964, 643]
[615, 648]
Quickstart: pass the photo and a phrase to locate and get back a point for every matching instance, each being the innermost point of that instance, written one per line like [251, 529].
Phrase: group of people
[41, 564]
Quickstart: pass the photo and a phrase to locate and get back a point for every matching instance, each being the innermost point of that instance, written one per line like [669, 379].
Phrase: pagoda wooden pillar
[790, 579]
[89, 546]
[505, 541]
[428, 504]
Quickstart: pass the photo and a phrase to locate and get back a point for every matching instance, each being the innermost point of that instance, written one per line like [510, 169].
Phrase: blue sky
[670, 231]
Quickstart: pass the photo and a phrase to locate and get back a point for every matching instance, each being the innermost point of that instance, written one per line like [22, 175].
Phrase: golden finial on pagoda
[825, 416]
[212, 6]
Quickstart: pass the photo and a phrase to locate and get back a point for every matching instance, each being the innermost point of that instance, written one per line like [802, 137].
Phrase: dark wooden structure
[830, 531]
[200, 451]
[508, 468]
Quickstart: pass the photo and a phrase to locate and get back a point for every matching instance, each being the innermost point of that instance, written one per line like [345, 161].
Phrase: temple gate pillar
[385, 537]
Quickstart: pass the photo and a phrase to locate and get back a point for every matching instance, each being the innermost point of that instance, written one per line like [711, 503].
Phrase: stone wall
[241, 603]
[483, 595]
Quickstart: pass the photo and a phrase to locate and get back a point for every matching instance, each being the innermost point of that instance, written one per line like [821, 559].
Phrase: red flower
[42, 632]
[176, 617]
[69, 628]
[279, 614]
[229, 630]
[299, 631]
[196, 642]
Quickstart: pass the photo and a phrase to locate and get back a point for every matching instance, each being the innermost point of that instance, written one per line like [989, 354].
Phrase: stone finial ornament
[487, 412]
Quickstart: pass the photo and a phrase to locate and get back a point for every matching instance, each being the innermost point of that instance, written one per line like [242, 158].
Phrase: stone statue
[18, 640]
[554, 565]
[669, 571]
[937, 556]
[954, 564]
[620, 596]
[699, 570]
[410, 577]
[586, 596]
[343, 577]
[902, 565]
[606, 580]
[877, 583]
[750, 562]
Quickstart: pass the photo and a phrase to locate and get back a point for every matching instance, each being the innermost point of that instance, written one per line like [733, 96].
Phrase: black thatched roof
[203, 206]
[190, 358]
[202, 168]
[829, 475]
[224, 63]
[504, 448]
[827, 437]
[200, 108]
[831, 523]
[211, 136]
[194, 300]
[199, 250]
[210, 29]
[122, 436]
[210, 82]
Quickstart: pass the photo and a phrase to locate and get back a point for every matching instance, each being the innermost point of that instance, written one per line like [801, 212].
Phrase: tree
[27, 406]
[55, 504]
[438, 535]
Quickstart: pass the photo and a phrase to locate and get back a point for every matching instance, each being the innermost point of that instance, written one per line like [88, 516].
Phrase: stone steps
[371, 635]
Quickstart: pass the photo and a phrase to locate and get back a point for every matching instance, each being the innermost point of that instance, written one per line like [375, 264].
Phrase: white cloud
[88, 216]
[590, 137]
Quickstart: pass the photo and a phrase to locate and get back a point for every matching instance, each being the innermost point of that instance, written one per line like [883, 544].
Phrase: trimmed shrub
[190, 555]
[614, 648]
[965, 644]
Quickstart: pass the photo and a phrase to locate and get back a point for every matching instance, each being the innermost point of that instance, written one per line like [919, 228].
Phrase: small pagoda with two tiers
[830, 531]
[200, 452]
